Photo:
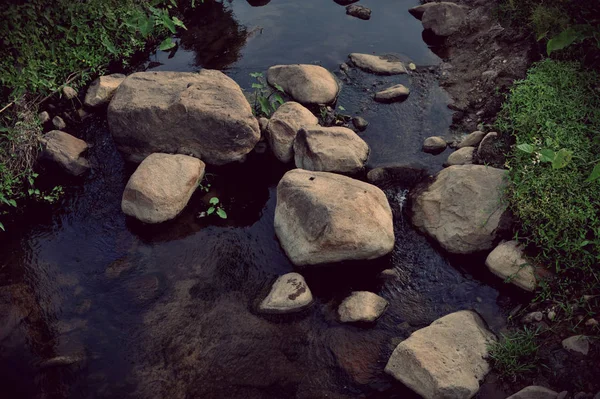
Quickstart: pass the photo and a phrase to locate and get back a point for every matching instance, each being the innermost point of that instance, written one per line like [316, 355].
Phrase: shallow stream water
[168, 311]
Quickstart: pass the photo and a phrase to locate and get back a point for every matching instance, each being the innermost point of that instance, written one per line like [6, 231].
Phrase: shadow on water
[94, 304]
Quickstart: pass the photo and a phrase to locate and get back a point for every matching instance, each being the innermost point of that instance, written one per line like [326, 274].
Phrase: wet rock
[102, 89]
[344, 67]
[532, 317]
[388, 274]
[59, 123]
[472, 139]
[283, 128]
[288, 294]
[65, 150]
[463, 156]
[419, 10]
[358, 11]
[44, 117]
[507, 261]
[360, 123]
[330, 149]
[161, 187]
[577, 343]
[443, 19]
[434, 145]
[377, 64]
[145, 288]
[400, 175]
[69, 92]
[462, 209]
[307, 84]
[263, 123]
[320, 218]
[361, 306]
[392, 94]
[202, 114]
[534, 392]
[444, 360]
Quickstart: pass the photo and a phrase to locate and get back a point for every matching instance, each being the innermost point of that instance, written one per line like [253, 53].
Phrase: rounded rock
[434, 145]
[289, 294]
[361, 306]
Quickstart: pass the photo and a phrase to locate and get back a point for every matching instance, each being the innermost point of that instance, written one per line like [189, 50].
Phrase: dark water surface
[168, 311]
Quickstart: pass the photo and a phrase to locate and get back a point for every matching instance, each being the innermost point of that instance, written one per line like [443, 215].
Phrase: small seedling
[216, 207]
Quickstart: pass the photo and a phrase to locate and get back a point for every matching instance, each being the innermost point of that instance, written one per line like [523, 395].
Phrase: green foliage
[515, 353]
[554, 115]
[266, 100]
[217, 208]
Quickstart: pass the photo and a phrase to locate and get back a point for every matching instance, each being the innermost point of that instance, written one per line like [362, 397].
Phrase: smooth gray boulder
[289, 294]
[445, 360]
[462, 209]
[66, 151]
[392, 94]
[330, 149]
[307, 84]
[102, 89]
[361, 306]
[283, 127]
[507, 261]
[444, 19]
[377, 64]
[534, 392]
[161, 187]
[202, 114]
[323, 217]
[462, 156]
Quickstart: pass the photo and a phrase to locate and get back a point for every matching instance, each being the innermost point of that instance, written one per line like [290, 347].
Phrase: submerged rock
[434, 145]
[360, 123]
[534, 392]
[358, 11]
[161, 187]
[204, 114]
[462, 156]
[65, 150]
[330, 149]
[577, 343]
[307, 84]
[392, 94]
[444, 360]
[462, 209]
[507, 261]
[362, 306]
[444, 19]
[323, 217]
[283, 128]
[288, 294]
[399, 175]
[471, 140]
[377, 64]
[102, 89]
[59, 123]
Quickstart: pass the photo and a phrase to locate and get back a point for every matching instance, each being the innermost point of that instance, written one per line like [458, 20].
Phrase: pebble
[551, 315]
[69, 92]
[59, 123]
[44, 117]
[532, 317]
[592, 323]
[360, 123]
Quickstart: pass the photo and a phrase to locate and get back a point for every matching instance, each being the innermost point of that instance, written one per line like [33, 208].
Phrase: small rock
[551, 315]
[562, 395]
[263, 123]
[284, 126]
[288, 294]
[591, 323]
[377, 64]
[532, 317]
[443, 19]
[434, 145]
[577, 343]
[83, 114]
[59, 123]
[361, 306]
[392, 94]
[307, 84]
[360, 123]
[358, 11]
[534, 392]
[388, 274]
[507, 261]
[102, 89]
[65, 150]
[44, 117]
[463, 156]
[344, 67]
[472, 139]
[69, 92]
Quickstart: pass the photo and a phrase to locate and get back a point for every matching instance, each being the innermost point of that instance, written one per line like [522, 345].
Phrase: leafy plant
[515, 353]
[266, 100]
[216, 207]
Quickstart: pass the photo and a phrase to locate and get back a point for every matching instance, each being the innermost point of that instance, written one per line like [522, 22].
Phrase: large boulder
[444, 19]
[377, 64]
[463, 208]
[201, 114]
[161, 187]
[507, 261]
[307, 84]
[324, 217]
[66, 151]
[289, 294]
[361, 306]
[102, 89]
[283, 128]
[445, 360]
[330, 149]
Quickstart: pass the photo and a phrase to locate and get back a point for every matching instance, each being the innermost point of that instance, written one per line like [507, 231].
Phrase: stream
[168, 311]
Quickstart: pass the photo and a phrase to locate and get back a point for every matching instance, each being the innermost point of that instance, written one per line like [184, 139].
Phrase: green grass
[556, 109]
[515, 353]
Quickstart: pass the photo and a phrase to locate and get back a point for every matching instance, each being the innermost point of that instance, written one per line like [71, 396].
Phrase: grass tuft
[515, 353]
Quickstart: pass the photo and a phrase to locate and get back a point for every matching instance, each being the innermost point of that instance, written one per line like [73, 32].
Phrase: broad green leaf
[109, 46]
[2, 227]
[528, 148]
[567, 37]
[210, 210]
[547, 155]
[265, 106]
[256, 75]
[595, 175]
[214, 201]
[167, 44]
[278, 87]
[168, 22]
[277, 98]
[145, 26]
[341, 108]
[221, 213]
[257, 86]
[179, 23]
[562, 159]
[12, 203]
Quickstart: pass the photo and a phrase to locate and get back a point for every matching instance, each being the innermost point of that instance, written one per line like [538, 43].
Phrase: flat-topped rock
[324, 217]
[330, 149]
[377, 64]
[161, 187]
[445, 360]
[463, 208]
[507, 261]
[284, 126]
[66, 151]
[203, 114]
[361, 306]
[462, 156]
[392, 94]
[102, 89]
[289, 294]
[307, 84]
